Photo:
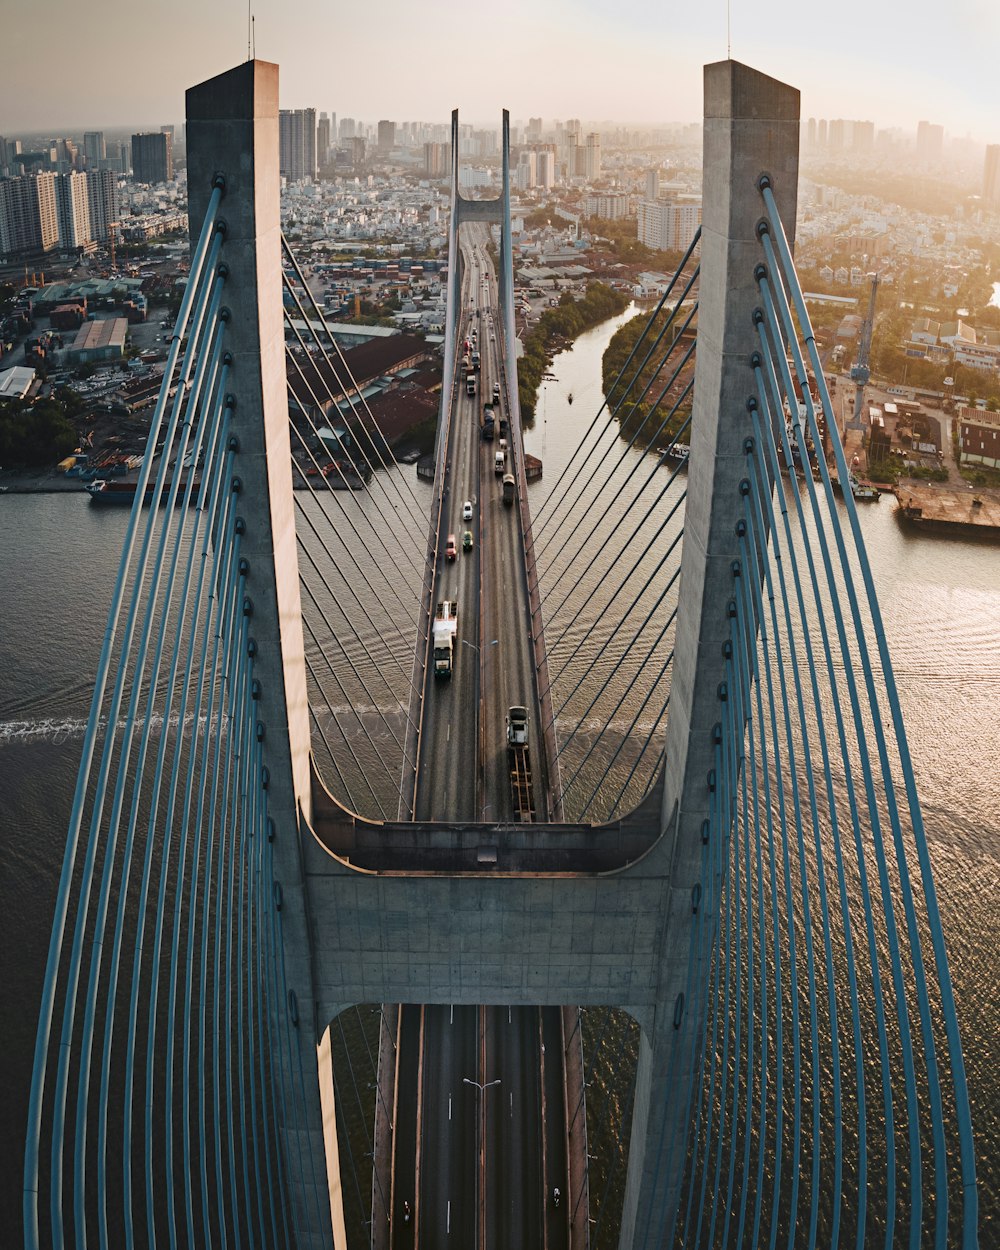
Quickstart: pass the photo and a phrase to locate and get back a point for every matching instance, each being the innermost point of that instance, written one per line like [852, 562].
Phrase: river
[941, 603]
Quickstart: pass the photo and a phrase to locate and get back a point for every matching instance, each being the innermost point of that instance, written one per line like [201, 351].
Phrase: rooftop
[107, 333]
[16, 382]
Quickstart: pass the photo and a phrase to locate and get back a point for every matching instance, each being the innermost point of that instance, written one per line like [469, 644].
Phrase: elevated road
[475, 1160]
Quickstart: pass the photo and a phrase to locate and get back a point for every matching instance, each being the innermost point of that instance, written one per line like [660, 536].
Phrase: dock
[968, 512]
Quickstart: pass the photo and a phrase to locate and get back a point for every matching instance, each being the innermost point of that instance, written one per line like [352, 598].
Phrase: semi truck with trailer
[519, 764]
[443, 633]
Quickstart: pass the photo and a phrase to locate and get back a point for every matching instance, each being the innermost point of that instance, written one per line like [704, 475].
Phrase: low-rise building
[16, 383]
[98, 340]
[979, 437]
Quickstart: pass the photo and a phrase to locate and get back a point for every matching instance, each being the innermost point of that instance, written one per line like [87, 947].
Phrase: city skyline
[555, 64]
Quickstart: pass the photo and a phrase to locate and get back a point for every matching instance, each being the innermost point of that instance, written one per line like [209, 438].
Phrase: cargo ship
[122, 494]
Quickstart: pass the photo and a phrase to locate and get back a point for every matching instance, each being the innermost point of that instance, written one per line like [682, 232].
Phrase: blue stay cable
[970, 1199]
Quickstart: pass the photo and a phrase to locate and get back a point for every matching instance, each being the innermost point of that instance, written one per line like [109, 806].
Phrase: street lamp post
[481, 1170]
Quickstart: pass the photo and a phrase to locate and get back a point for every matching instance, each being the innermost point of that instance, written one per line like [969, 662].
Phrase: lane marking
[449, 1106]
[449, 1217]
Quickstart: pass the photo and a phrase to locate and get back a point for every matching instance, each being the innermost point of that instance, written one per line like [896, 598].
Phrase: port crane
[860, 373]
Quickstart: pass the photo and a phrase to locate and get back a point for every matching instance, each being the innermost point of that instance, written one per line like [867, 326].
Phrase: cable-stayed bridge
[709, 936]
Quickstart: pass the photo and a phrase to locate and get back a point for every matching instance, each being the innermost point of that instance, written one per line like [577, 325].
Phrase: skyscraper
[297, 143]
[386, 136]
[72, 211]
[10, 150]
[930, 141]
[546, 166]
[153, 157]
[436, 159]
[527, 164]
[94, 148]
[592, 171]
[864, 136]
[103, 202]
[652, 184]
[991, 176]
[323, 133]
[28, 218]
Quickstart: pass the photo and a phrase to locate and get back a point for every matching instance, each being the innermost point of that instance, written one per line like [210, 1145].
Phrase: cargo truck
[443, 632]
[519, 763]
[508, 488]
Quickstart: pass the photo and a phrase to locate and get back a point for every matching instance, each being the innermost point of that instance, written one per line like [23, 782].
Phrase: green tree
[34, 434]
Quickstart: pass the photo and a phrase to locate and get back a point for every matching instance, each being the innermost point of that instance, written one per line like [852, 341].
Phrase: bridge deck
[419, 848]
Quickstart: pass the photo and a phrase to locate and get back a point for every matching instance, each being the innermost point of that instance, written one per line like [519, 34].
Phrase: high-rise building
[652, 184]
[612, 207]
[811, 132]
[28, 219]
[592, 169]
[864, 136]
[119, 156]
[527, 168]
[94, 148]
[63, 155]
[103, 202]
[668, 225]
[534, 129]
[436, 159]
[930, 141]
[348, 129]
[545, 175]
[297, 143]
[991, 176]
[386, 136]
[357, 150]
[153, 157]
[72, 211]
[169, 130]
[821, 133]
[323, 135]
[837, 134]
[10, 150]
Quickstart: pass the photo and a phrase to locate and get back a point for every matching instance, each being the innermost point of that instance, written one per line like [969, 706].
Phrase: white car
[467, 511]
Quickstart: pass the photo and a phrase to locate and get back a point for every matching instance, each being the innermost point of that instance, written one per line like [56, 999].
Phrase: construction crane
[860, 373]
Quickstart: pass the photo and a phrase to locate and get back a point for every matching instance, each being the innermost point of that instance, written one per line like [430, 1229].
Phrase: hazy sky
[68, 65]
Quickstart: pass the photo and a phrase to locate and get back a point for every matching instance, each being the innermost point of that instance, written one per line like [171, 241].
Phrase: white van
[499, 462]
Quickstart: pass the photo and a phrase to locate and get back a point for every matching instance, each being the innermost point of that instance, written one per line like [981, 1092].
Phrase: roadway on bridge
[487, 1159]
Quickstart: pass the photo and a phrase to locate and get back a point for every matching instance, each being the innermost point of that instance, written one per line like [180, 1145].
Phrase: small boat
[569, 397]
[863, 492]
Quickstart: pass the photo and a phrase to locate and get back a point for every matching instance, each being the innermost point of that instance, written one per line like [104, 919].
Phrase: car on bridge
[467, 540]
[451, 548]
[466, 511]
